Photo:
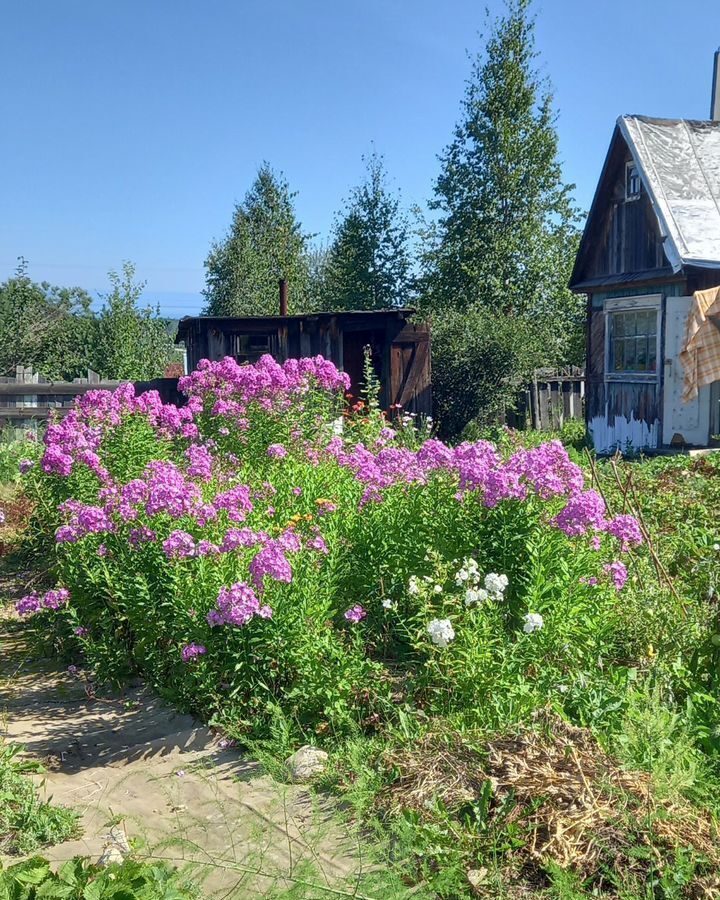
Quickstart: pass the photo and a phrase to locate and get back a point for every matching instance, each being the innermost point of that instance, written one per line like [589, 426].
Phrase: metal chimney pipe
[283, 297]
[715, 96]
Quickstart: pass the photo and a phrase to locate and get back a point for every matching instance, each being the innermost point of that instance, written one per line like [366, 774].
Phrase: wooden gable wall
[622, 237]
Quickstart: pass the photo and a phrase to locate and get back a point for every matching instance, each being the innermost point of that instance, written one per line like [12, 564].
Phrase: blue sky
[131, 128]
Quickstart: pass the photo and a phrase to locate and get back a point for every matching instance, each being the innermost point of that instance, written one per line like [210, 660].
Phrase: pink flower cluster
[355, 614]
[77, 437]
[33, 602]
[191, 651]
[267, 382]
[237, 605]
[271, 561]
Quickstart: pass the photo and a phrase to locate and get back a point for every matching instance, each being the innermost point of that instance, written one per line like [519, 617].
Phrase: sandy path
[178, 793]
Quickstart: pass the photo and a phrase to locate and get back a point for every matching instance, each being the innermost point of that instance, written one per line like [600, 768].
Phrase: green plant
[79, 879]
[26, 822]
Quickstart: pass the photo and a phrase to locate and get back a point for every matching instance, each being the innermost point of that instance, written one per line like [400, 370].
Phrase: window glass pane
[629, 355]
[633, 341]
[641, 354]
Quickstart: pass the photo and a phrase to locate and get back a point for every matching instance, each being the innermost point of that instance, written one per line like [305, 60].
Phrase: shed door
[410, 370]
[688, 423]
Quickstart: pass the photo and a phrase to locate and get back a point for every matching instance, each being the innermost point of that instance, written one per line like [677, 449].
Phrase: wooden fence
[552, 398]
[27, 398]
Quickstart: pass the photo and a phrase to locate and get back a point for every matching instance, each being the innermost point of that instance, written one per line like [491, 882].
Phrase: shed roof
[679, 163]
[235, 322]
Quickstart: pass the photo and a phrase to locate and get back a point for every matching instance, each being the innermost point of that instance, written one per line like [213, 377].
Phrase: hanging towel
[700, 356]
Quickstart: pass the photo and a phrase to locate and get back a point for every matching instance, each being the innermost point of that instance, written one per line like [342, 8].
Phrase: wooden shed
[400, 347]
[652, 239]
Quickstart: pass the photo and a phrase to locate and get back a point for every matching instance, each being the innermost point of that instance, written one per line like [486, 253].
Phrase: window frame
[648, 303]
[631, 164]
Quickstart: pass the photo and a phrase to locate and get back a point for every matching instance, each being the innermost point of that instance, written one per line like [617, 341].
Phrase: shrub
[26, 822]
[244, 552]
[79, 879]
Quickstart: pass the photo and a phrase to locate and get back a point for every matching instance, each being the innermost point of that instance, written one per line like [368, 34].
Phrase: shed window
[633, 341]
[633, 185]
[250, 347]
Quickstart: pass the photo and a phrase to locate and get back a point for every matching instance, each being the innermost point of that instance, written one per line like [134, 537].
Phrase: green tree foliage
[132, 343]
[265, 243]
[49, 328]
[369, 261]
[477, 356]
[506, 230]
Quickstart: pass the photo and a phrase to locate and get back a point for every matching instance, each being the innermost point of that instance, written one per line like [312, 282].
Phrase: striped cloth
[700, 355]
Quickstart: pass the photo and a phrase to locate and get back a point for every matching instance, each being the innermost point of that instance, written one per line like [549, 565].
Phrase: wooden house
[400, 348]
[651, 240]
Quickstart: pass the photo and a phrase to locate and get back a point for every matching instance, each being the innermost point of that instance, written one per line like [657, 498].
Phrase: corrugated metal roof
[679, 163]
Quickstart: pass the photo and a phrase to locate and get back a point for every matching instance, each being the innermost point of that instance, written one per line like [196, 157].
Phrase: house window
[633, 344]
[633, 185]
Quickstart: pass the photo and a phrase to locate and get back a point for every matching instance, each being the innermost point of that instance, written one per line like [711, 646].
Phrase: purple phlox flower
[179, 545]
[617, 572]
[276, 451]
[237, 605]
[25, 465]
[169, 491]
[582, 513]
[236, 502]
[206, 548]
[241, 537]
[317, 542]
[29, 604]
[355, 614]
[297, 491]
[81, 631]
[102, 550]
[141, 535]
[271, 561]
[56, 598]
[289, 541]
[192, 651]
[627, 530]
[200, 461]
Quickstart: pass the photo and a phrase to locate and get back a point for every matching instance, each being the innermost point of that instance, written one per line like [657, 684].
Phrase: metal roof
[679, 163]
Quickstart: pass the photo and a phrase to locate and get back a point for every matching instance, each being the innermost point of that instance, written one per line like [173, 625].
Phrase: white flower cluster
[533, 622]
[469, 577]
[415, 584]
[441, 632]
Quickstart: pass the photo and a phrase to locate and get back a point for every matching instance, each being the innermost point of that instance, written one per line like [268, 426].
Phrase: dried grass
[577, 806]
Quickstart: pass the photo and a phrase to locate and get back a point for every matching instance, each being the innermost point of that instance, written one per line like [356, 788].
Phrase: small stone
[477, 877]
[305, 763]
[111, 854]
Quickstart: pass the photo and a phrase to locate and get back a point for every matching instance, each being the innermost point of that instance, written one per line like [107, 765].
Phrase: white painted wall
[689, 420]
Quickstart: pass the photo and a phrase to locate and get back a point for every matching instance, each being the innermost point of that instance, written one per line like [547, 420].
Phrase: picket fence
[553, 397]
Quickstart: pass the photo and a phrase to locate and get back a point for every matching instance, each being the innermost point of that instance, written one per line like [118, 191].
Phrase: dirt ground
[175, 790]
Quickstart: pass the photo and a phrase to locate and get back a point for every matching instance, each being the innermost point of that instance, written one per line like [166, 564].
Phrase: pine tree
[506, 232]
[265, 243]
[369, 266]
[501, 248]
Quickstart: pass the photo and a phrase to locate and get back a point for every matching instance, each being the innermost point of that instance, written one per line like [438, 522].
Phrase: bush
[79, 879]
[480, 361]
[245, 556]
[27, 823]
